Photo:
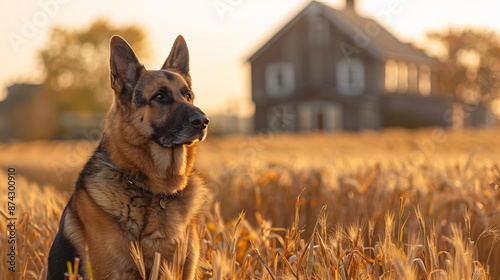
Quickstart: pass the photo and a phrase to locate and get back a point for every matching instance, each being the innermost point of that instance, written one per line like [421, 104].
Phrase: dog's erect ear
[178, 59]
[124, 67]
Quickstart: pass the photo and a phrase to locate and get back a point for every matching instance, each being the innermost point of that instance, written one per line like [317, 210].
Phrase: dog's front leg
[191, 264]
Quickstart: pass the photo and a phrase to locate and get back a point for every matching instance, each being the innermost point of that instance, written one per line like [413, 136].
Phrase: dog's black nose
[199, 121]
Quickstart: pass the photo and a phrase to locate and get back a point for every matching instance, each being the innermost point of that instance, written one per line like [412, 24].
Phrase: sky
[221, 34]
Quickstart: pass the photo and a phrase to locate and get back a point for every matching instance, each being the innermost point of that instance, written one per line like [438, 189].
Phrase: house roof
[381, 43]
[18, 93]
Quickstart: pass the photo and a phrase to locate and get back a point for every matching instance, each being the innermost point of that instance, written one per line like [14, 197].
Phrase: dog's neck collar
[139, 179]
[163, 198]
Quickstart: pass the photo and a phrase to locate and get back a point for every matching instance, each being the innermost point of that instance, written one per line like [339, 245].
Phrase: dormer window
[350, 76]
[280, 79]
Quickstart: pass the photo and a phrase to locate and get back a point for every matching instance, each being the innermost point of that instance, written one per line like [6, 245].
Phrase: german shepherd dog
[139, 185]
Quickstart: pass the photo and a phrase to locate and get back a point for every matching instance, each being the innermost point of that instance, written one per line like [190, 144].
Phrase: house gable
[284, 60]
[366, 34]
[327, 69]
[350, 36]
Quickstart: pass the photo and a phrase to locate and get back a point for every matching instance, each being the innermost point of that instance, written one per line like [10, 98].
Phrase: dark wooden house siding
[318, 92]
[315, 73]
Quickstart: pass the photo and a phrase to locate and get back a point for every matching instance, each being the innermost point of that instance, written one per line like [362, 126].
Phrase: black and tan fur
[149, 139]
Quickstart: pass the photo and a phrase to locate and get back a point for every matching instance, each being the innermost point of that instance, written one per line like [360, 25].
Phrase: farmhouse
[330, 69]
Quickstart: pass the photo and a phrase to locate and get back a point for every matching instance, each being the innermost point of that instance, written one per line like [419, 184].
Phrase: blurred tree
[76, 64]
[470, 63]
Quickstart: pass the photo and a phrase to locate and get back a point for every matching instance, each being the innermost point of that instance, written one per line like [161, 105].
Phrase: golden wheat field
[396, 204]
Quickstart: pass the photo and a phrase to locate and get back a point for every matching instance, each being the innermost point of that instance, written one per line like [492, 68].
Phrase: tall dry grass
[37, 214]
[378, 223]
[345, 206]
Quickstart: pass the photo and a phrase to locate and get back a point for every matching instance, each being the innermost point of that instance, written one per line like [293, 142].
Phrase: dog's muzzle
[191, 129]
[200, 123]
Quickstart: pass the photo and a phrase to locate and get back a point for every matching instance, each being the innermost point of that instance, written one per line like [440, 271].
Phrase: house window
[402, 77]
[412, 78]
[279, 79]
[305, 116]
[332, 114]
[320, 115]
[350, 76]
[424, 80]
[391, 76]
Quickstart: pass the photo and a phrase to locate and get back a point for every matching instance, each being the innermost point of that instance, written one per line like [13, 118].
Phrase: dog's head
[157, 104]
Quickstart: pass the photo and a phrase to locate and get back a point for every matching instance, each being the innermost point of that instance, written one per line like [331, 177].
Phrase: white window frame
[309, 111]
[280, 79]
[350, 76]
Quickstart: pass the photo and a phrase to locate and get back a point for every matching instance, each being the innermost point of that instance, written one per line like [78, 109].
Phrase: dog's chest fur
[143, 213]
[154, 219]
[143, 216]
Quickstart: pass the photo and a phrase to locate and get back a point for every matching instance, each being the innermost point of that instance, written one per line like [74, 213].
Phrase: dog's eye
[162, 95]
[189, 97]
[159, 97]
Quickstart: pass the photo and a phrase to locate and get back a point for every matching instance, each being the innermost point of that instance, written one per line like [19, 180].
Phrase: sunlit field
[397, 204]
